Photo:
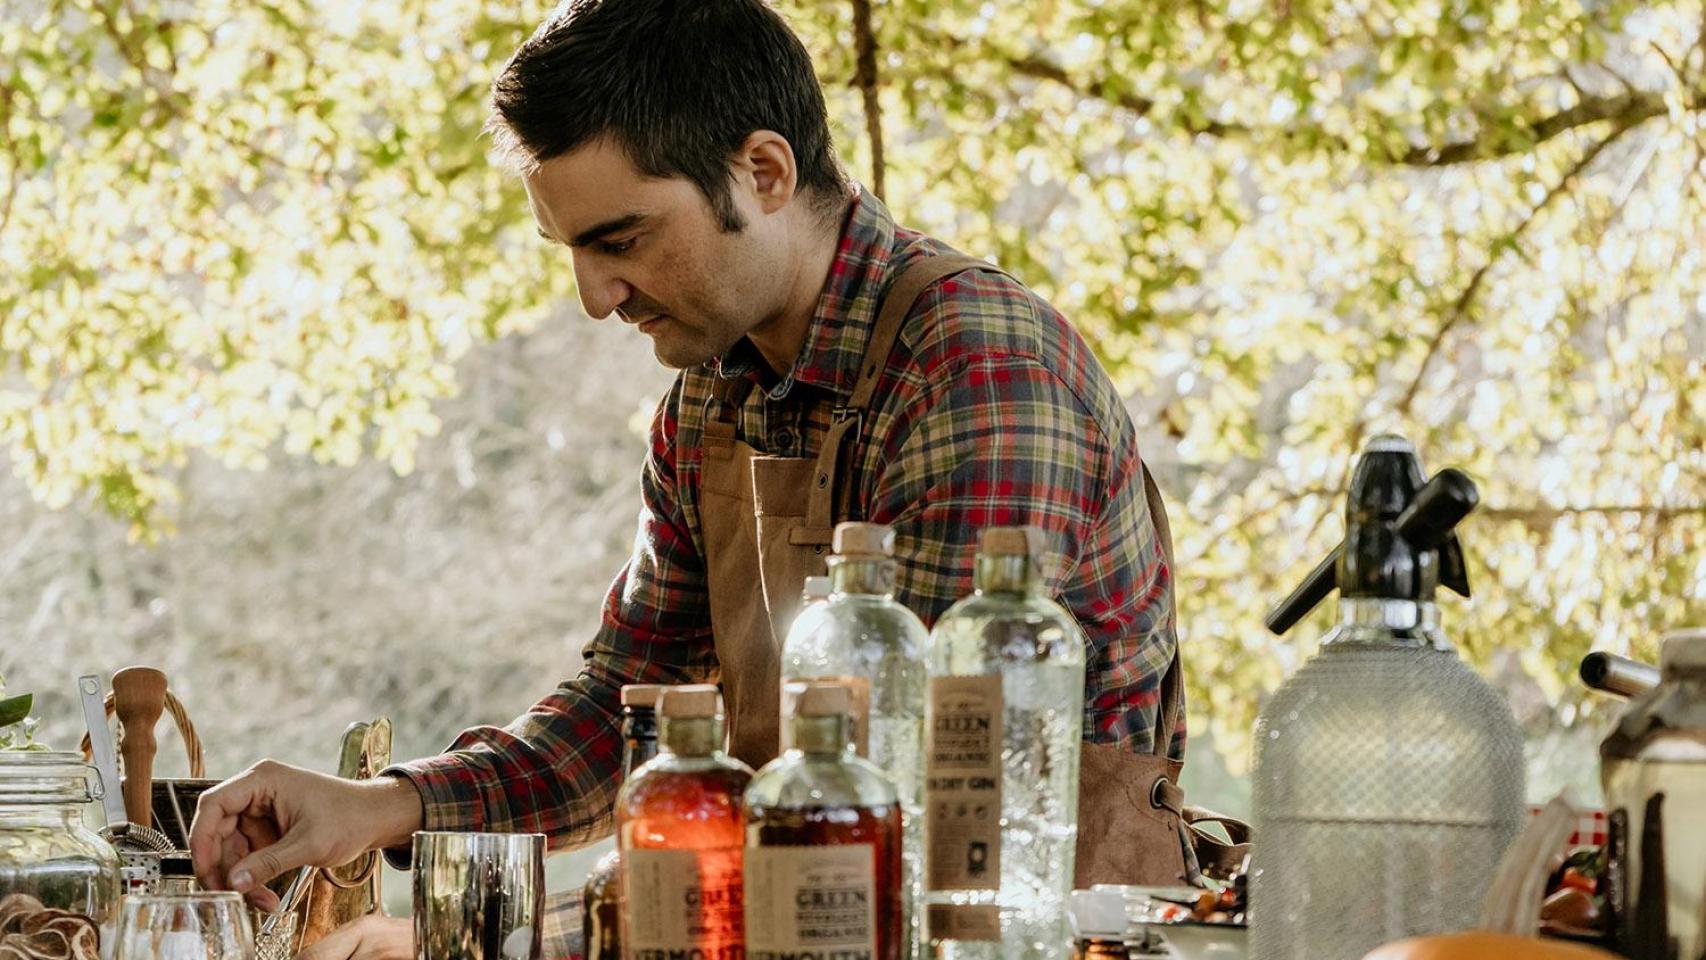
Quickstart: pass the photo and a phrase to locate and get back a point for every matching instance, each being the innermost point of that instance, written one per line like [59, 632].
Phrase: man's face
[652, 252]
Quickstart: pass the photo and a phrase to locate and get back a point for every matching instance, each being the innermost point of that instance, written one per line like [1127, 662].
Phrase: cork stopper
[823, 699]
[1031, 542]
[642, 695]
[874, 539]
[690, 701]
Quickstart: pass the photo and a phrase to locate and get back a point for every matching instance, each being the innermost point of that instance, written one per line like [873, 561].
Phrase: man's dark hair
[678, 84]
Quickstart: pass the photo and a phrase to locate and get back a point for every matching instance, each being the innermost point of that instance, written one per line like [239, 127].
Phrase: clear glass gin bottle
[823, 844]
[680, 830]
[861, 637]
[1389, 776]
[602, 903]
[1004, 721]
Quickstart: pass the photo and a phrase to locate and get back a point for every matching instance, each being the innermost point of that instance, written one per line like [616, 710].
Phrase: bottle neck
[639, 737]
[691, 736]
[823, 737]
[862, 574]
[1381, 620]
[1004, 574]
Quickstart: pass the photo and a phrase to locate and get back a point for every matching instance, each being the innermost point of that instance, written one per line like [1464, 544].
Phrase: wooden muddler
[139, 697]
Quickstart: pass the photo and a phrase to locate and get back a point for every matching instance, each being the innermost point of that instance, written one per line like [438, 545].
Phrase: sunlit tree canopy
[249, 229]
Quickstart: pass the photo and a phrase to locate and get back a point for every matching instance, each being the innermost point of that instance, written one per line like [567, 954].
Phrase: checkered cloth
[1589, 832]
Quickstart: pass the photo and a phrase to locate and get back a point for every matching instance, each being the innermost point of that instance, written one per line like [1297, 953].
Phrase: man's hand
[274, 818]
[373, 937]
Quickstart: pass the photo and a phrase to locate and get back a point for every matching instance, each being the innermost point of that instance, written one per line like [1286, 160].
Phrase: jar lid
[1684, 651]
[44, 777]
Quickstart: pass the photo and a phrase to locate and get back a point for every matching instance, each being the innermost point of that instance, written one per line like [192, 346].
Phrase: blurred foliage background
[299, 407]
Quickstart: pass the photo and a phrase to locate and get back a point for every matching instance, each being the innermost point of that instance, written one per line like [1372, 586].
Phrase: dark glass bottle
[823, 844]
[600, 919]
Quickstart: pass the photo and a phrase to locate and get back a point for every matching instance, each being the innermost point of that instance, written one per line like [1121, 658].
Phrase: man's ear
[764, 166]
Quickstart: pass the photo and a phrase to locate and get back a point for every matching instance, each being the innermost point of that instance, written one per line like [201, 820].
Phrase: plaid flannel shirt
[992, 410]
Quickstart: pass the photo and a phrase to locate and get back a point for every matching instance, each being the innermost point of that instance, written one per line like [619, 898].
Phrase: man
[833, 366]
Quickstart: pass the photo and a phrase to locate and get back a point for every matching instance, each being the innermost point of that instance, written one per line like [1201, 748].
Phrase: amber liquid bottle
[601, 916]
[823, 844]
[679, 832]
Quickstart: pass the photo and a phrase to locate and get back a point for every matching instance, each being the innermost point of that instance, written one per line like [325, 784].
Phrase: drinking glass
[185, 926]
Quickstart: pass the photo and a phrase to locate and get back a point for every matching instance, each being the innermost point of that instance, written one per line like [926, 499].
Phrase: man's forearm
[395, 812]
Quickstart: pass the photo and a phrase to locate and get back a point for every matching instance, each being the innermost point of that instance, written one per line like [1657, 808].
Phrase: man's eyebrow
[605, 229]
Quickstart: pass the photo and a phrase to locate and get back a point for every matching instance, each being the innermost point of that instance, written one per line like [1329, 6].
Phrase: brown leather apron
[767, 524]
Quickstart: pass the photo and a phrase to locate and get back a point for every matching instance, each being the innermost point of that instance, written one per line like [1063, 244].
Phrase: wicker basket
[174, 798]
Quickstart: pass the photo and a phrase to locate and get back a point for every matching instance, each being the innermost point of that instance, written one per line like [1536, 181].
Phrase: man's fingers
[372, 937]
[340, 944]
[264, 900]
[266, 863]
[216, 816]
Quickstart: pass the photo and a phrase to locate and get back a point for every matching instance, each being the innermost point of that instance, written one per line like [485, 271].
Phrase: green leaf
[15, 709]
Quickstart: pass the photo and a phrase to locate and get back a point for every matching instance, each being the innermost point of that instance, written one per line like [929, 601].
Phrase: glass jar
[46, 851]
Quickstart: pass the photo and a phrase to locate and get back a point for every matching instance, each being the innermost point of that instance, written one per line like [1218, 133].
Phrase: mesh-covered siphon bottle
[1389, 775]
[863, 638]
[1004, 725]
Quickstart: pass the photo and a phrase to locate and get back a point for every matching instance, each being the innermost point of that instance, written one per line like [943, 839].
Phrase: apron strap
[897, 303]
[1173, 682]
[727, 394]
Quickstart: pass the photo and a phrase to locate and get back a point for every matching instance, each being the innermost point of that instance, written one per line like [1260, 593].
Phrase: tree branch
[1539, 514]
[1628, 107]
[865, 77]
[12, 172]
[1040, 68]
[1510, 241]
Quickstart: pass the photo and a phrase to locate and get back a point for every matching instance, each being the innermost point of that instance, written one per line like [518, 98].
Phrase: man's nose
[601, 291]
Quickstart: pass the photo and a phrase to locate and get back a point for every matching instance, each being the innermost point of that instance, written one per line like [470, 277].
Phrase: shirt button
[783, 440]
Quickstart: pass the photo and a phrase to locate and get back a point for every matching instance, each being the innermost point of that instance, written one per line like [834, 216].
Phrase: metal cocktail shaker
[479, 896]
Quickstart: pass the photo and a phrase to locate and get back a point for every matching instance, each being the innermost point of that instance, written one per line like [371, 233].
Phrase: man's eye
[616, 247]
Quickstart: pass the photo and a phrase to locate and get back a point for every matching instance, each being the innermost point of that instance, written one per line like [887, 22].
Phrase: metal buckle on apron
[838, 430]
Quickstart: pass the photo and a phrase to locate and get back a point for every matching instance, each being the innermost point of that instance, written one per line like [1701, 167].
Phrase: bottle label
[682, 900]
[976, 923]
[859, 691]
[962, 787]
[811, 903]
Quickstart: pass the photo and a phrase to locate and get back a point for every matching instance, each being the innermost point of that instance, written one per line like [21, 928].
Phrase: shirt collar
[846, 310]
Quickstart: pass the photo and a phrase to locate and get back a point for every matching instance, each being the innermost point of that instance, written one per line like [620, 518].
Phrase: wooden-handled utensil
[139, 697]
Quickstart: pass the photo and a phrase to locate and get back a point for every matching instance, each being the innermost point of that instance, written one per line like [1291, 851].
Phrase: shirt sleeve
[998, 438]
[554, 769]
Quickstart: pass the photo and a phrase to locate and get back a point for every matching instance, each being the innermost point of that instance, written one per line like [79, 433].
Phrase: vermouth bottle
[600, 918]
[680, 831]
[1005, 718]
[823, 844]
[863, 638]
